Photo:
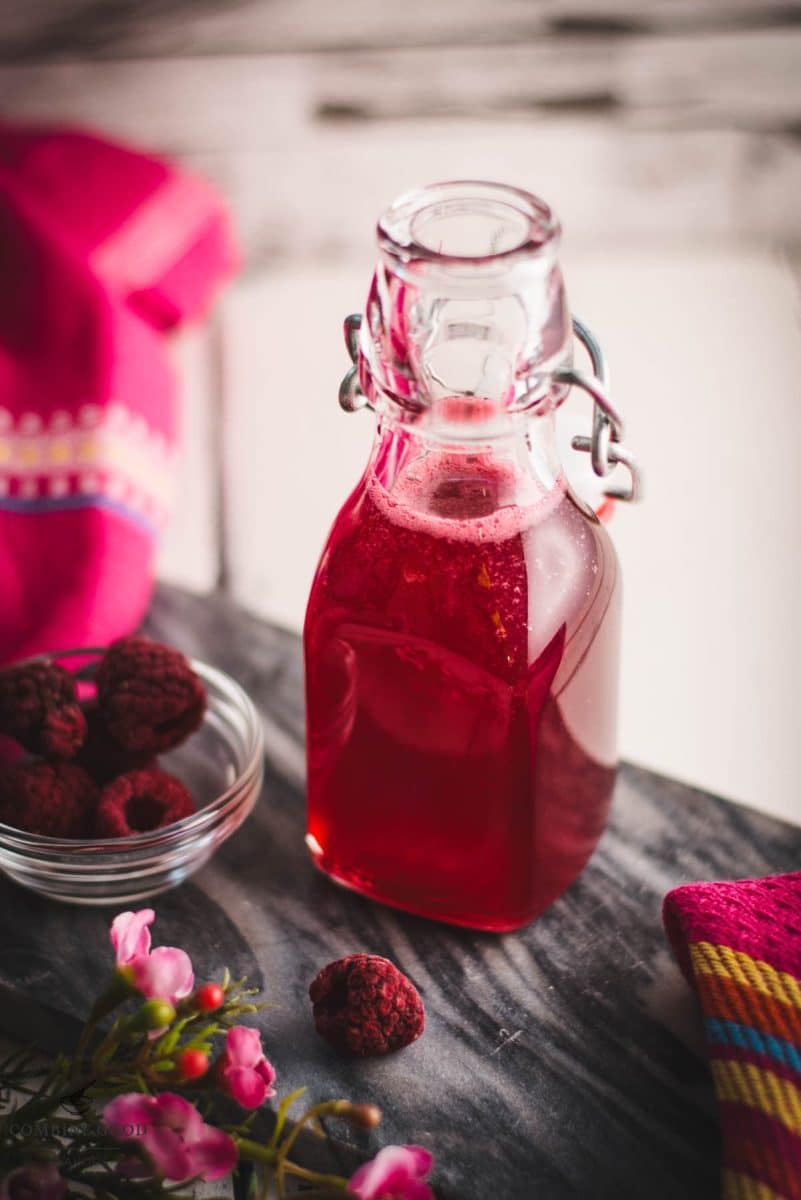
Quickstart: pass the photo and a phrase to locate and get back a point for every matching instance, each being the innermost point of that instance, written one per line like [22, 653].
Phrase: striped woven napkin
[739, 945]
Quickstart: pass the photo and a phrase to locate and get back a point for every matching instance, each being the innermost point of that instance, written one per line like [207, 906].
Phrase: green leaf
[208, 1031]
[260, 1182]
[168, 1041]
[282, 1113]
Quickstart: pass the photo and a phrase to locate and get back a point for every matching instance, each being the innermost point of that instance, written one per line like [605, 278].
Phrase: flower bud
[192, 1064]
[209, 997]
[365, 1116]
[154, 1014]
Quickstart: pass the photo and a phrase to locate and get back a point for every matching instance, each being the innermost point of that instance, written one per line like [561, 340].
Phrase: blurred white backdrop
[706, 365]
[664, 135]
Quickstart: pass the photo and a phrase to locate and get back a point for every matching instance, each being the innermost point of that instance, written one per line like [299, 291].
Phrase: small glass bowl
[222, 764]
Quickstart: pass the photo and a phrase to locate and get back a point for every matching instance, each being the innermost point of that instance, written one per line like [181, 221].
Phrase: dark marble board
[560, 1062]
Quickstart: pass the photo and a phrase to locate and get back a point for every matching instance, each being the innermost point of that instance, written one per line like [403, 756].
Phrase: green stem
[328, 1109]
[333, 1181]
[83, 1041]
[118, 990]
[32, 1110]
[255, 1152]
[108, 1046]
[45, 1104]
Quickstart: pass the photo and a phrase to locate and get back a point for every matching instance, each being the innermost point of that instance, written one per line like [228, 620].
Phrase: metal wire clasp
[604, 445]
[351, 396]
[605, 442]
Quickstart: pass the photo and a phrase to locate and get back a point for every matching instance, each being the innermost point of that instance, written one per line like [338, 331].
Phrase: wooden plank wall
[669, 122]
[667, 135]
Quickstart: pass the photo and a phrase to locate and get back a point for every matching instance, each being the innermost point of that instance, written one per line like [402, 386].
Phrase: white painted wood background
[666, 135]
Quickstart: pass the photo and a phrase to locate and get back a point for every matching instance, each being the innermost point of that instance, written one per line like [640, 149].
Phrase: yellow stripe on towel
[708, 959]
[743, 1083]
[743, 1187]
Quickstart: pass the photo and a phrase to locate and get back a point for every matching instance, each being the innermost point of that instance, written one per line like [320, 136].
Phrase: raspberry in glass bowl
[219, 764]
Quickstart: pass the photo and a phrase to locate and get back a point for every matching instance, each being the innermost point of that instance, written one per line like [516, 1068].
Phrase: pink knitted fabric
[104, 248]
[739, 945]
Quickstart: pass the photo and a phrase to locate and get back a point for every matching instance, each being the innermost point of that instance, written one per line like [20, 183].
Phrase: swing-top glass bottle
[461, 636]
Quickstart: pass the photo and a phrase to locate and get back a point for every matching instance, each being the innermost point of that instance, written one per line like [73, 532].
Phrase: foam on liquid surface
[465, 499]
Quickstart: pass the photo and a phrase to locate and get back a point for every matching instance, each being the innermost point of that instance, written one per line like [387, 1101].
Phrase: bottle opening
[468, 222]
[466, 311]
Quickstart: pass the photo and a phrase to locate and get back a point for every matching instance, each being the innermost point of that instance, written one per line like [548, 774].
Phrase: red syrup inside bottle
[461, 644]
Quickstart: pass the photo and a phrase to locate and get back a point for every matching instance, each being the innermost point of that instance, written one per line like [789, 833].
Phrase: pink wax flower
[242, 1071]
[36, 1181]
[165, 974]
[130, 935]
[161, 974]
[396, 1173]
[173, 1135]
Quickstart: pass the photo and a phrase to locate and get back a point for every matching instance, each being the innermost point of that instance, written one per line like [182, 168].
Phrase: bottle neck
[466, 320]
[465, 325]
[461, 469]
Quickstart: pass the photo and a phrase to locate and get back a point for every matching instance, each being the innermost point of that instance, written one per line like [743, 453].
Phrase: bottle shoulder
[558, 570]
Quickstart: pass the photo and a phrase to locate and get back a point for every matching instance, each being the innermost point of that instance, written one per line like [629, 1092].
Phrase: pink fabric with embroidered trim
[105, 249]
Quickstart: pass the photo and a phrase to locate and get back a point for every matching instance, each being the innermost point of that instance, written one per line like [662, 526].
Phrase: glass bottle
[461, 636]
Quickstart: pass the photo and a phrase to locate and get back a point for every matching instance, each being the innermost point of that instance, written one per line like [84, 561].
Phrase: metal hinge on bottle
[605, 444]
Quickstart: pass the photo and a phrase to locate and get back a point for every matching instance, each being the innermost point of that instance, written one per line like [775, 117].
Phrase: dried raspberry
[150, 697]
[39, 708]
[53, 799]
[141, 801]
[10, 752]
[103, 757]
[363, 1004]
